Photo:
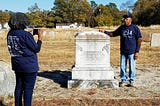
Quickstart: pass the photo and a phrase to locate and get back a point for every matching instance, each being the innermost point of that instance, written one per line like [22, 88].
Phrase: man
[130, 42]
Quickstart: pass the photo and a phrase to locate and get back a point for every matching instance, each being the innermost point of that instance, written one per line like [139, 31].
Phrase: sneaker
[122, 84]
[131, 84]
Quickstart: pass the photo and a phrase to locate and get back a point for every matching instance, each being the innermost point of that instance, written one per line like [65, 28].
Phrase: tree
[93, 5]
[103, 16]
[34, 8]
[86, 13]
[70, 11]
[35, 15]
[92, 22]
[61, 9]
[128, 5]
[4, 17]
[112, 6]
[156, 16]
[48, 19]
[147, 12]
[116, 14]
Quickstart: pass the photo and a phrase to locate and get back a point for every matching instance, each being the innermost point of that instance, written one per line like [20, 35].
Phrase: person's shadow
[58, 76]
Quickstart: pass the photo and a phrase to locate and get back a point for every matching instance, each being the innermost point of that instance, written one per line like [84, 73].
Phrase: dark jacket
[129, 36]
[23, 49]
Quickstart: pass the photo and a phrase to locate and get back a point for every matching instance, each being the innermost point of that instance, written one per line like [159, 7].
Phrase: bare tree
[128, 5]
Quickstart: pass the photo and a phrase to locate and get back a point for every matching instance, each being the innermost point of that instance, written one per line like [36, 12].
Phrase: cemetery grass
[57, 56]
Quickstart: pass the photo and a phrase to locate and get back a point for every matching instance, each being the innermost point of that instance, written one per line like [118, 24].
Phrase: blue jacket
[129, 36]
[23, 49]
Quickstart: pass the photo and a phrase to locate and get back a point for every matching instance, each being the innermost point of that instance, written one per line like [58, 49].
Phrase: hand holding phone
[35, 31]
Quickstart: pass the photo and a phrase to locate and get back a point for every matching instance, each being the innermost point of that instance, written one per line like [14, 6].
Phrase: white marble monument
[7, 80]
[92, 62]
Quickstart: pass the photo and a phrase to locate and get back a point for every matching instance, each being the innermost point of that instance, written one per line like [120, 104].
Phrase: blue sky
[22, 5]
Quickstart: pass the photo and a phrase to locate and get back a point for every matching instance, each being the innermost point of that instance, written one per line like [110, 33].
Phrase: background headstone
[7, 80]
[155, 41]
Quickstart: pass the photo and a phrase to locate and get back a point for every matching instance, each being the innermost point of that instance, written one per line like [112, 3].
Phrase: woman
[23, 49]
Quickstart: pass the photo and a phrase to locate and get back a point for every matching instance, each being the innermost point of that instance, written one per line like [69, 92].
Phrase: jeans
[123, 67]
[24, 88]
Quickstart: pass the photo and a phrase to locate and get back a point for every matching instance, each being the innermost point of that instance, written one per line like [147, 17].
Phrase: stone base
[88, 84]
[92, 73]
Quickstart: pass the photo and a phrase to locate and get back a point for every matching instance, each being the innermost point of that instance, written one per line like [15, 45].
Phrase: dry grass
[58, 51]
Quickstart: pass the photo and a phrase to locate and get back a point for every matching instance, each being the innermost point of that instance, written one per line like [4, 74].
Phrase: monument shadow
[58, 76]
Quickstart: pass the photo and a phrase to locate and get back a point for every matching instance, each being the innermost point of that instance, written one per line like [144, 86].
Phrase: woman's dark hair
[18, 21]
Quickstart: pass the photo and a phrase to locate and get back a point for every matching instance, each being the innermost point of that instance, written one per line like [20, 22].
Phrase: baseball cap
[128, 15]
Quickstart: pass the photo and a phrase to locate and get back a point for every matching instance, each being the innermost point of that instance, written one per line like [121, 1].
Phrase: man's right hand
[106, 32]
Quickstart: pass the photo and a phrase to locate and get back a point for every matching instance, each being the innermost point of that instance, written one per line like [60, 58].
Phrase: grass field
[58, 51]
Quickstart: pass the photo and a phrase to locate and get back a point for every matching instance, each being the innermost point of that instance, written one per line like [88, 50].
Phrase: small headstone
[155, 41]
[7, 80]
[44, 33]
[51, 33]
[92, 62]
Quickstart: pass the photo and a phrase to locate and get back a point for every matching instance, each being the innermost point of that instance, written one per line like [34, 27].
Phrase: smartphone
[35, 31]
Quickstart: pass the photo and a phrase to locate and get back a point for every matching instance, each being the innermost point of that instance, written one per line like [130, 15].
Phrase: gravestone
[155, 41]
[7, 80]
[92, 67]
